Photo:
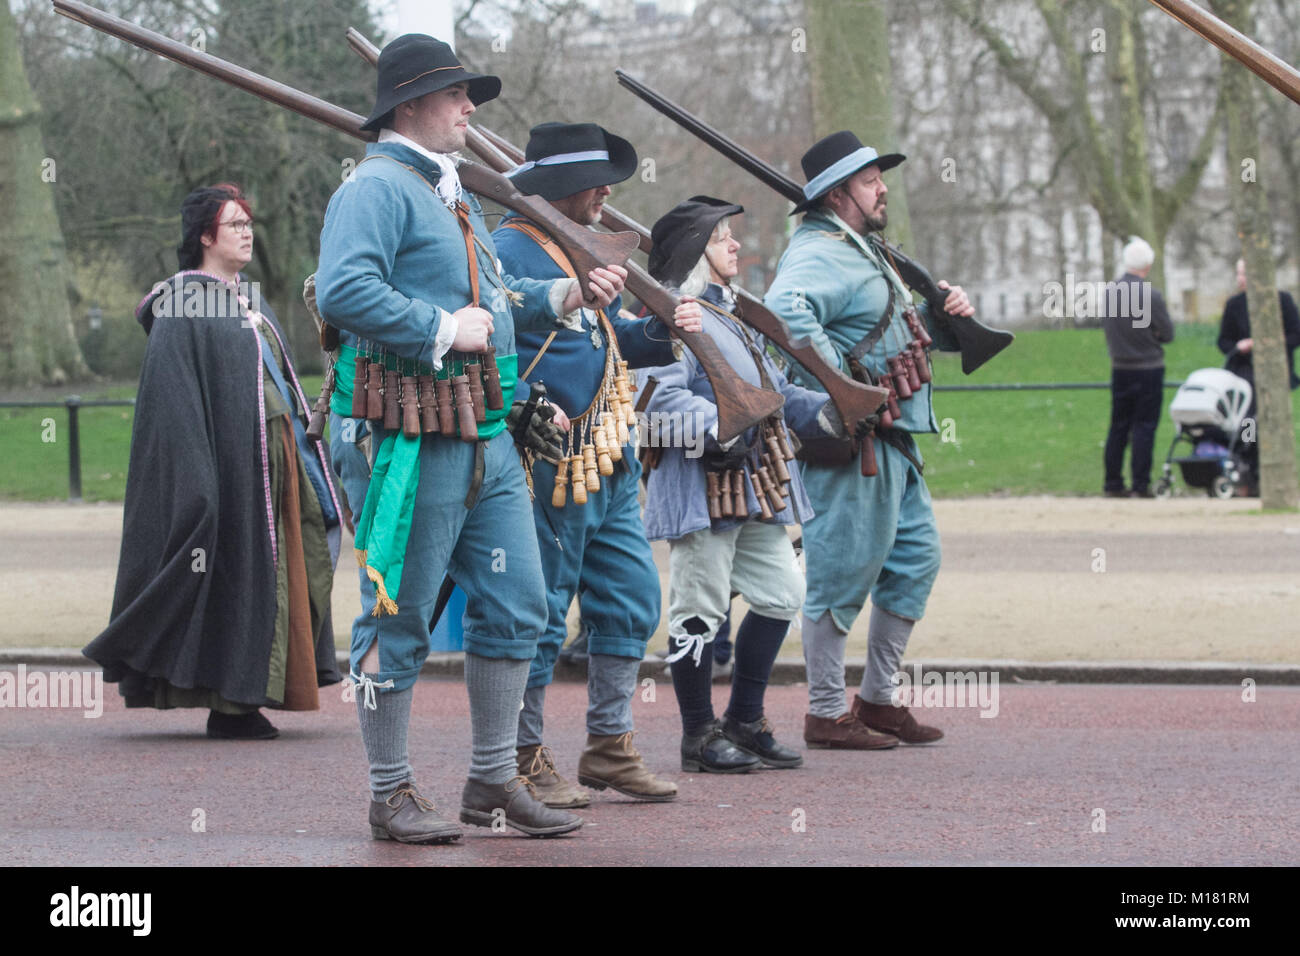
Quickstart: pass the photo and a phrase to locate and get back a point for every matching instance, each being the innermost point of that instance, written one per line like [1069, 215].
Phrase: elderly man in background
[1137, 327]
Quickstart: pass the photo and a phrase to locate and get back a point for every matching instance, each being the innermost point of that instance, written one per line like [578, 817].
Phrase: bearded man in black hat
[597, 546]
[408, 270]
[872, 536]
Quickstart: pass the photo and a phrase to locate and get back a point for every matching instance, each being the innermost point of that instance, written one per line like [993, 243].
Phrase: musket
[736, 399]
[977, 341]
[738, 410]
[1276, 72]
[852, 399]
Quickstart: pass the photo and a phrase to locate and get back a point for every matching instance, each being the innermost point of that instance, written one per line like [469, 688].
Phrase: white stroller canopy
[1211, 396]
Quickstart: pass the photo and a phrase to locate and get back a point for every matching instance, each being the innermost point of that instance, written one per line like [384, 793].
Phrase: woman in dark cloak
[231, 524]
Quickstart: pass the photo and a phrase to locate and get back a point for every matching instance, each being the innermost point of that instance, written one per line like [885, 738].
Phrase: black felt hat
[680, 236]
[415, 64]
[565, 158]
[834, 159]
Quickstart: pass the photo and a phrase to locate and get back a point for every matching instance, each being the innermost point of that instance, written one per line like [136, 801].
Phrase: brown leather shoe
[513, 804]
[898, 721]
[843, 733]
[536, 763]
[614, 763]
[408, 817]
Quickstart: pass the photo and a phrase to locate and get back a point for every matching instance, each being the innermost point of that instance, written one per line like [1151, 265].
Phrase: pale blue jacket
[828, 290]
[393, 260]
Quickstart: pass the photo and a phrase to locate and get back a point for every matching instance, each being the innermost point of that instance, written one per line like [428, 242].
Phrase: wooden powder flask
[891, 413]
[909, 364]
[770, 489]
[611, 437]
[492, 381]
[446, 415]
[392, 408]
[475, 373]
[917, 327]
[740, 507]
[605, 464]
[579, 480]
[589, 468]
[787, 451]
[320, 411]
[410, 407]
[724, 494]
[375, 392]
[921, 361]
[560, 493]
[868, 456]
[359, 388]
[777, 460]
[464, 408]
[902, 387]
[763, 510]
[711, 483]
[428, 403]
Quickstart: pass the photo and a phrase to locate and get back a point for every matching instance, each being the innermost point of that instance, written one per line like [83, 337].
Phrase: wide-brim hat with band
[680, 236]
[834, 159]
[565, 158]
[415, 64]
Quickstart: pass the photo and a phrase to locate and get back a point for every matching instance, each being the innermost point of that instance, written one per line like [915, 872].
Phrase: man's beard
[876, 223]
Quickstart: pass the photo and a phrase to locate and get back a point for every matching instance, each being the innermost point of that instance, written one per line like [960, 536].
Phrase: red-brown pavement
[1185, 775]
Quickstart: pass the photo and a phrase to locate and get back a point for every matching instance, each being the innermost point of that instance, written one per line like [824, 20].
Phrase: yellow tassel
[384, 605]
[361, 557]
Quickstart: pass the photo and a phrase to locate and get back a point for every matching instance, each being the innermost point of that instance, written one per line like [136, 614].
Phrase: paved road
[1185, 775]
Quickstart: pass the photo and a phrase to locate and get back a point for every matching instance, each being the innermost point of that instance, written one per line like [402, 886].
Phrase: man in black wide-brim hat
[408, 271]
[596, 548]
[871, 536]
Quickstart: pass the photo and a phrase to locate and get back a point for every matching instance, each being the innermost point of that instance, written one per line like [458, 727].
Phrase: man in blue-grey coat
[597, 549]
[871, 536]
[408, 270]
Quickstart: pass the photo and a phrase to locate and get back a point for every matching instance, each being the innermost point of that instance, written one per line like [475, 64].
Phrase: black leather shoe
[513, 804]
[756, 738]
[407, 817]
[711, 752]
[240, 726]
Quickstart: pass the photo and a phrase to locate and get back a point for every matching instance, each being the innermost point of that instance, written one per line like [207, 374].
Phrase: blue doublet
[598, 550]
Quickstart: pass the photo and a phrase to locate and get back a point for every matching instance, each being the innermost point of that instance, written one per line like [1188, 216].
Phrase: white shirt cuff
[447, 329]
[559, 292]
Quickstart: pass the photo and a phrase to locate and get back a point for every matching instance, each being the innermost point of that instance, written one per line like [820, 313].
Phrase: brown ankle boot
[843, 733]
[536, 763]
[898, 721]
[614, 763]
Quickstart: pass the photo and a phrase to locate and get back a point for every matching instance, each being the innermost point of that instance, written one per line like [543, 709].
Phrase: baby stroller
[1208, 411]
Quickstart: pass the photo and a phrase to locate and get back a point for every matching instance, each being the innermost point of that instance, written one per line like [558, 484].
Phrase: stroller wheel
[1222, 487]
[1163, 488]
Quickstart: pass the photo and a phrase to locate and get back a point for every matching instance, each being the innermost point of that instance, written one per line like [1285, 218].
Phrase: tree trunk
[37, 342]
[848, 56]
[1277, 470]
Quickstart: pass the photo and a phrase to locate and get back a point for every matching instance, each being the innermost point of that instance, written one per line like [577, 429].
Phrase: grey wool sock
[823, 655]
[383, 732]
[496, 688]
[530, 718]
[887, 637]
[611, 682]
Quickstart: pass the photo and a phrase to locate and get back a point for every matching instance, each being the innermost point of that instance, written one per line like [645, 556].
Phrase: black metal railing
[74, 403]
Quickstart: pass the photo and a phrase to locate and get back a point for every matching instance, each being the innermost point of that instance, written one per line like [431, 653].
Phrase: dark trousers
[1135, 399]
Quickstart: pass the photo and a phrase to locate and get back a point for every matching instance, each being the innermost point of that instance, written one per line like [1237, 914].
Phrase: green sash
[385, 522]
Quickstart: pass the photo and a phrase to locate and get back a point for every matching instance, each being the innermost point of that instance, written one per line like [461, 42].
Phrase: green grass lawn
[1012, 443]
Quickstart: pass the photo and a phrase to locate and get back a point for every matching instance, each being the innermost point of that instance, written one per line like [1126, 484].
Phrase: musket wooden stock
[853, 400]
[740, 405]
